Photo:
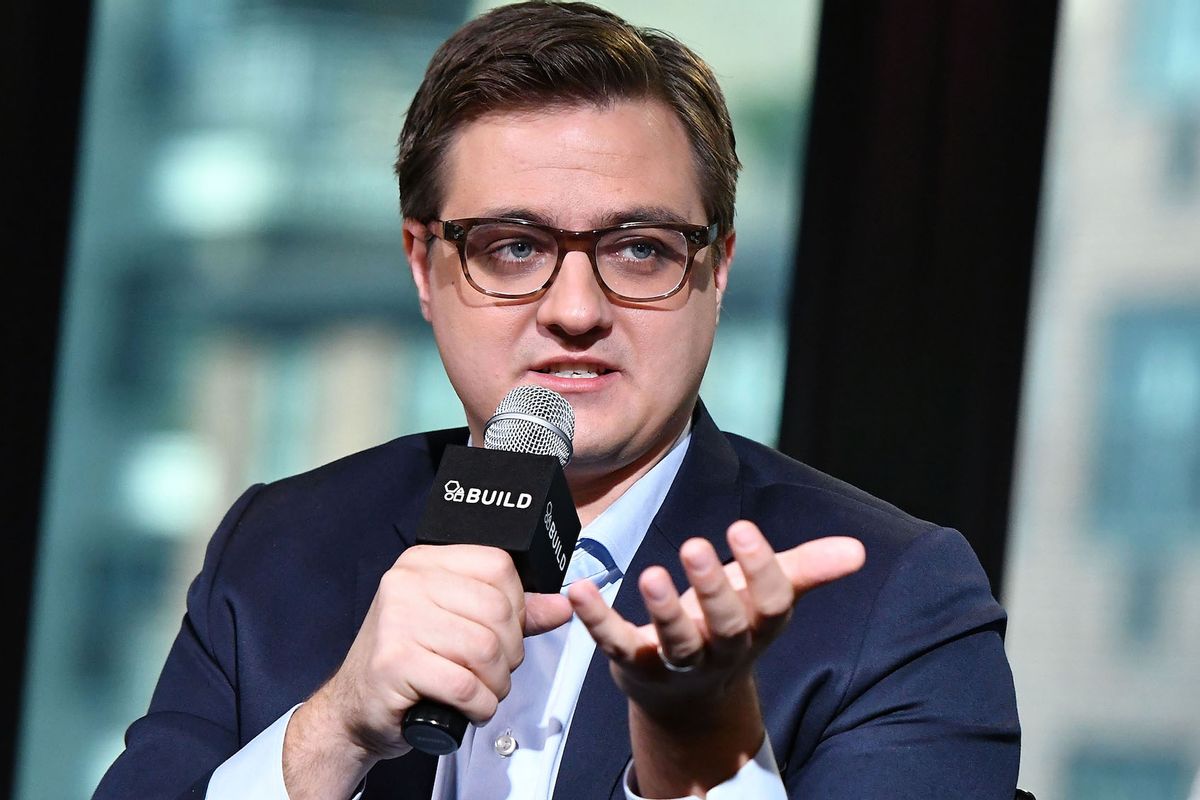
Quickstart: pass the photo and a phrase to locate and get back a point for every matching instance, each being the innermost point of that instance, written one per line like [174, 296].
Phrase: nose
[575, 304]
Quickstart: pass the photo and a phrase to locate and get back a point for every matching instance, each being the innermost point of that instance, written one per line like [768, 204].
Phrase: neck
[596, 488]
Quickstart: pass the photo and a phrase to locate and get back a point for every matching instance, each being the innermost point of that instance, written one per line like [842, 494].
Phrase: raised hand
[694, 716]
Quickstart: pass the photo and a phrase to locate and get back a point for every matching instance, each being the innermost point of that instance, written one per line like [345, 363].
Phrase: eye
[641, 250]
[519, 250]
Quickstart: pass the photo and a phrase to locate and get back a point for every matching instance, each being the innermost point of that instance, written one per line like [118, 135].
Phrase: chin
[590, 452]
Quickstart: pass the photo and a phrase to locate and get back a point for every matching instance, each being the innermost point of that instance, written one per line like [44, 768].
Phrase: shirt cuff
[256, 771]
[758, 778]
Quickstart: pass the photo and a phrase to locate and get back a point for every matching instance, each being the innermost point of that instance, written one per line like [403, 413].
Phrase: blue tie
[591, 561]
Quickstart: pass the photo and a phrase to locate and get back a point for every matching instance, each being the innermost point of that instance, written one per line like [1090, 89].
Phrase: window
[1104, 632]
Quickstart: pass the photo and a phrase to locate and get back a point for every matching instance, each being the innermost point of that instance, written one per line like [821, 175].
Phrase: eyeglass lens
[634, 262]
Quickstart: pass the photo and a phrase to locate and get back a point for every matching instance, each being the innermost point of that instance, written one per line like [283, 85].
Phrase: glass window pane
[1102, 589]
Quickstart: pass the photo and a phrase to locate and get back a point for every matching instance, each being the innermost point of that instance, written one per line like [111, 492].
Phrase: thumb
[545, 612]
[821, 561]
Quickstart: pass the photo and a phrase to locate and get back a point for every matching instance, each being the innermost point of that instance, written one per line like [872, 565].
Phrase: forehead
[575, 166]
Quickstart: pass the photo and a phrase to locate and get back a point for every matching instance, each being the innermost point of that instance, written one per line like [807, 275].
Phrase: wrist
[321, 759]
[696, 745]
[693, 710]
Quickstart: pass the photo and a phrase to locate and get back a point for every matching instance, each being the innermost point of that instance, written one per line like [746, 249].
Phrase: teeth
[567, 371]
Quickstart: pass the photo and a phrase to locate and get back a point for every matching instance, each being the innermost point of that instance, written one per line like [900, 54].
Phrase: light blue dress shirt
[518, 752]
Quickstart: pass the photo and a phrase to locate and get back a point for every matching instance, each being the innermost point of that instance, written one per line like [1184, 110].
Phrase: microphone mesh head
[532, 419]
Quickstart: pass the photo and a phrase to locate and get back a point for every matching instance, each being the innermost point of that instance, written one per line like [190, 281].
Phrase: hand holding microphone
[513, 496]
[445, 630]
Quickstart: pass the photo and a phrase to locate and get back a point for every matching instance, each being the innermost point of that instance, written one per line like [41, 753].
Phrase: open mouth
[573, 371]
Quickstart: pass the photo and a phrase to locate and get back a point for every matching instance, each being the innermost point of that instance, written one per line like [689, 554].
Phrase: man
[567, 187]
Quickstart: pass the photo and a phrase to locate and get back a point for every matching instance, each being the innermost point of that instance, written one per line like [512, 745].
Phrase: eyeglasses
[513, 258]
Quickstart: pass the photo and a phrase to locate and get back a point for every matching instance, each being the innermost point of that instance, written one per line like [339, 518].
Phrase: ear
[721, 269]
[416, 250]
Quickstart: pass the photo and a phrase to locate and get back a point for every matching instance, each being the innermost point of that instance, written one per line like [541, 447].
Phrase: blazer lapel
[413, 479]
[704, 499]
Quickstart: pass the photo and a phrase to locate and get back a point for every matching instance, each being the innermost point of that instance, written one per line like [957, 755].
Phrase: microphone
[510, 494]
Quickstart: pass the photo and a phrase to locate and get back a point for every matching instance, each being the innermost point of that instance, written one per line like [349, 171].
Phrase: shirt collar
[621, 526]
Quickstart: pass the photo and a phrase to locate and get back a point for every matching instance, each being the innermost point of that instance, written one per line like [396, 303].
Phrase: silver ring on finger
[673, 667]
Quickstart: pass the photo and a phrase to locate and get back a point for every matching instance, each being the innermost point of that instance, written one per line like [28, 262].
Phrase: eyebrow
[607, 219]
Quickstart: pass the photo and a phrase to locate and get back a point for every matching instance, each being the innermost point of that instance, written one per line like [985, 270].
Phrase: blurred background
[236, 308]
[1103, 587]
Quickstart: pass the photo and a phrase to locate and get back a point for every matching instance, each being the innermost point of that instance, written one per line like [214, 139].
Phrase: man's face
[639, 365]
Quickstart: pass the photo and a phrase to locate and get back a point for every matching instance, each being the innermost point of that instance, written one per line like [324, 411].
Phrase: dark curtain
[42, 57]
[915, 254]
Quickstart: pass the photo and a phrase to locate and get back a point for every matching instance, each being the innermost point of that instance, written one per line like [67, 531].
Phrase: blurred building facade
[1104, 578]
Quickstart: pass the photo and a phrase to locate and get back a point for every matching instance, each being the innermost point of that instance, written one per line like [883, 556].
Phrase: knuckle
[759, 557]
[514, 654]
[487, 707]
[775, 605]
[497, 563]
[730, 627]
[486, 648]
[710, 586]
[391, 585]
[462, 687]
[416, 554]
[505, 687]
[495, 607]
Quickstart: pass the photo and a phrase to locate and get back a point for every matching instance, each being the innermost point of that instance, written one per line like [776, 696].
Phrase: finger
[615, 636]
[820, 561]
[471, 645]
[545, 612]
[768, 591]
[489, 565]
[724, 612]
[678, 635]
[446, 682]
[481, 603]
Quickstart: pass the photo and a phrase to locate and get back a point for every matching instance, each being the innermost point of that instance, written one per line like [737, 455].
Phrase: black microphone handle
[434, 728]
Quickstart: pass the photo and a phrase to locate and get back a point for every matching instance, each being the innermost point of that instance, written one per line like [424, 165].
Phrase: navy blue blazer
[890, 683]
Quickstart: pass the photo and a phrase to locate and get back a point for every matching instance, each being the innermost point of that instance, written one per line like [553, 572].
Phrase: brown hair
[534, 54]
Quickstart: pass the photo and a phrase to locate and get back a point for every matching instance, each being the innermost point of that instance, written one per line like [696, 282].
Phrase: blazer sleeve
[929, 710]
[191, 726]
